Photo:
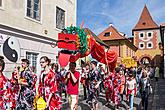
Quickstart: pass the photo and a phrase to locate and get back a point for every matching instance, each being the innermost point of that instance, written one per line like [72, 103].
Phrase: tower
[147, 38]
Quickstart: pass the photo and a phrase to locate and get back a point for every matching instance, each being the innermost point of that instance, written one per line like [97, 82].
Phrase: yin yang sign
[11, 49]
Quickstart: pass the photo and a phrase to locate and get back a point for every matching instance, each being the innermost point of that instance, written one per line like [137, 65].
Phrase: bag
[39, 103]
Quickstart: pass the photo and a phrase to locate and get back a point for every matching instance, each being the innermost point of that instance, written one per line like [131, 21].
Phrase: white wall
[14, 14]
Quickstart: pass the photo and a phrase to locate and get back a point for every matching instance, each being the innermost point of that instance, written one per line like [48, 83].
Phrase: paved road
[158, 98]
[82, 105]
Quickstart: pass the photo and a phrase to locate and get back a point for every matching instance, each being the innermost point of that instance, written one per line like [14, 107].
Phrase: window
[60, 18]
[0, 3]
[127, 51]
[107, 34]
[141, 35]
[32, 57]
[141, 45]
[149, 34]
[149, 45]
[34, 9]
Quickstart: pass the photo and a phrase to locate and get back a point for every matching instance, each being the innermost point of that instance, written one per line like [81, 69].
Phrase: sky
[123, 14]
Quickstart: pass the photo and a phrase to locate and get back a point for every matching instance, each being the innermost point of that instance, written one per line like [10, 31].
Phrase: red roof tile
[113, 34]
[163, 24]
[145, 20]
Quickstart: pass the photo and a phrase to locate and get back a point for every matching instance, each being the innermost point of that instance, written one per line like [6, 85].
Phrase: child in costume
[131, 89]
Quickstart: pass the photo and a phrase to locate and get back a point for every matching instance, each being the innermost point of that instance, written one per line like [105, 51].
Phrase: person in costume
[94, 81]
[59, 79]
[108, 85]
[116, 86]
[72, 82]
[47, 88]
[8, 96]
[26, 92]
[15, 86]
[85, 79]
[144, 90]
[122, 84]
[63, 72]
[3, 81]
[131, 89]
[102, 73]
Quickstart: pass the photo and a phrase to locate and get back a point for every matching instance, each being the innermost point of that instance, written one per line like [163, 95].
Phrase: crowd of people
[21, 92]
[129, 82]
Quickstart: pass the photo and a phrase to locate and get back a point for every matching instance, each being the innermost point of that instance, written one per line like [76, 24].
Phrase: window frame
[57, 7]
[151, 45]
[151, 34]
[140, 35]
[2, 4]
[106, 34]
[32, 18]
[140, 45]
[31, 60]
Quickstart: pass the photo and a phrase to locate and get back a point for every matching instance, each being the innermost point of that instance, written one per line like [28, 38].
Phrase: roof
[89, 32]
[113, 34]
[145, 21]
[163, 24]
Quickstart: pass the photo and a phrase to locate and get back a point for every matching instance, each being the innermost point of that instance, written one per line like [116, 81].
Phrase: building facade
[162, 31]
[29, 29]
[119, 43]
[147, 38]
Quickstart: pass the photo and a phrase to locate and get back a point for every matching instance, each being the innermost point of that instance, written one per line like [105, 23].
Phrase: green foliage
[82, 37]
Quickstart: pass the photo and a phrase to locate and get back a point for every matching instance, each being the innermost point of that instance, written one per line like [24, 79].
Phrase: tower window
[149, 45]
[141, 35]
[141, 45]
[150, 34]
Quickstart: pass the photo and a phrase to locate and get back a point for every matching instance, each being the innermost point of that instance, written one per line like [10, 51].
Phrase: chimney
[110, 24]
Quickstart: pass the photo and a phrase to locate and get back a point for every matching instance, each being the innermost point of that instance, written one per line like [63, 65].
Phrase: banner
[129, 62]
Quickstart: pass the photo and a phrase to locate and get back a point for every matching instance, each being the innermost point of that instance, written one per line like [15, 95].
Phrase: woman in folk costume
[48, 86]
[94, 82]
[26, 92]
[8, 96]
[116, 85]
[59, 79]
[122, 84]
[3, 81]
[131, 89]
[108, 85]
[15, 85]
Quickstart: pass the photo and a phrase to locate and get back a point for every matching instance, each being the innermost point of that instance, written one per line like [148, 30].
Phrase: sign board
[129, 62]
